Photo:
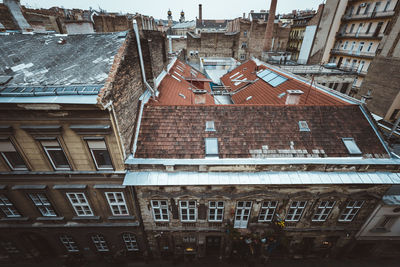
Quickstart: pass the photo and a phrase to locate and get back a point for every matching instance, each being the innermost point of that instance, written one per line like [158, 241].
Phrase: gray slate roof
[41, 60]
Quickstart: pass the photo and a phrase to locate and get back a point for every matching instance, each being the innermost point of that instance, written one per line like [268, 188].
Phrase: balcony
[368, 55]
[361, 35]
[369, 15]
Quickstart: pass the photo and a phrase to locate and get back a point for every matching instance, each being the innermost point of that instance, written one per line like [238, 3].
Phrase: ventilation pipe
[270, 27]
[148, 86]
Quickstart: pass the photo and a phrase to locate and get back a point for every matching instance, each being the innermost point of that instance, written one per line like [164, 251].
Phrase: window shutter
[175, 213]
[202, 212]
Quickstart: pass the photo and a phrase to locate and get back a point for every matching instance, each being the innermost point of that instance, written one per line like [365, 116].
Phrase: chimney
[199, 96]
[244, 15]
[200, 12]
[293, 97]
[270, 26]
[15, 9]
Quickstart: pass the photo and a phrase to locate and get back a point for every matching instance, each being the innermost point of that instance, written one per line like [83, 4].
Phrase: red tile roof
[176, 90]
[260, 92]
[255, 131]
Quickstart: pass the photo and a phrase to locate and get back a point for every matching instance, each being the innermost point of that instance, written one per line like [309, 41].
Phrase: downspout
[148, 86]
[110, 107]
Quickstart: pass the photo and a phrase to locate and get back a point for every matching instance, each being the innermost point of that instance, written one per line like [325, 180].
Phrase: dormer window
[351, 146]
[210, 127]
[303, 126]
[211, 146]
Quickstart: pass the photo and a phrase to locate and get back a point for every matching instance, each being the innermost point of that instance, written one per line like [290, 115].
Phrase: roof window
[176, 78]
[182, 95]
[211, 145]
[351, 146]
[210, 127]
[303, 126]
[249, 97]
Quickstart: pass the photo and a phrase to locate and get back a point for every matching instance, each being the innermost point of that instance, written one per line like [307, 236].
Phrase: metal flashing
[70, 186]
[30, 187]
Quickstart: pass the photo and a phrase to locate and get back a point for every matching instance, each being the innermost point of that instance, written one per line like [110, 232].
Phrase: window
[353, 44]
[245, 33]
[117, 203]
[369, 47]
[368, 27]
[215, 211]
[351, 28]
[351, 146]
[11, 156]
[80, 204]
[160, 210]
[9, 247]
[69, 243]
[43, 204]
[242, 56]
[55, 154]
[188, 210]
[100, 154]
[350, 211]
[210, 126]
[323, 211]
[100, 243]
[211, 146]
[345, 45]
[130, 242]
[361, 46]
[386, 6]
[244, 45]
[367, 9]
[358, 10]
[267, 211]
[8, 208]
[295, 211]
[303, 126]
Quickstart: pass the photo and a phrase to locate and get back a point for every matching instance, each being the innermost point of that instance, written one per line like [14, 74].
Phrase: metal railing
[368, 15]
[359, 35]
[353, 53]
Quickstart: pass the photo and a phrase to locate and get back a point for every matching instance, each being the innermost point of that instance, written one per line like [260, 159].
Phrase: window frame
[7, 161]
[296, 210]
[188, 208]
[216, 208]
[60, 148]
[69, 244]
[15, 213]
[346, 219]
[263, 217]
[74, 205]
[117, 204]
[160, 208]
[100, 243]
[131, 241]
[87, 140]
[323, 209]
[50, 204]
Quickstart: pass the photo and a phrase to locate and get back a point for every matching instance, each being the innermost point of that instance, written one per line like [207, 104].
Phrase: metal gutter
[269, 161]
[61, 172]
[375, 130]
[143, 100]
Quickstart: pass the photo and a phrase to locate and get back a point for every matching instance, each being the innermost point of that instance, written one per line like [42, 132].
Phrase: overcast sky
[212, 9]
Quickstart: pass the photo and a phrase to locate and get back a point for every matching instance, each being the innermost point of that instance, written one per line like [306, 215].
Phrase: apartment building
[297, 32]
[68, 104]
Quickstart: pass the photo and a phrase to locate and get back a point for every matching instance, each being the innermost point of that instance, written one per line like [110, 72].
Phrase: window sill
[121, 218]
[14, 219]
[79, 218]
[50, 218]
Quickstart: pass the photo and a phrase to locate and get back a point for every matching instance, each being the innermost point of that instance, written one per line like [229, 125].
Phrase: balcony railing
[353, 53]
[360, 35]
[369, 15]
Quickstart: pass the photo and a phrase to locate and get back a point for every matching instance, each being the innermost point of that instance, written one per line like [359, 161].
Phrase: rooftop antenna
[309, 91]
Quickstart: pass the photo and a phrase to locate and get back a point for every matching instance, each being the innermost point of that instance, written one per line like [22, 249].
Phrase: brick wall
[111, 23]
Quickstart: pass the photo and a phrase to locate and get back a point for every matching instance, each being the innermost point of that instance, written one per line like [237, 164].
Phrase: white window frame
[8, 208]
[119, 204]
[69, 243]
[217, 207]
[159, 208]
[43, 204]
[100, 243]
[298, 209]
[10, 147]
[186, 208]
[80, 203]
[351, 210]
[323, 211]
[102, 147]
[130, 242]
[59, 148]
[267, 211]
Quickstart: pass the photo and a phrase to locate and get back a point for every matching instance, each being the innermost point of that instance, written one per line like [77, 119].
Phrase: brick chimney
[200, 12]
[270, 27]
[15, 9]
[293, 97]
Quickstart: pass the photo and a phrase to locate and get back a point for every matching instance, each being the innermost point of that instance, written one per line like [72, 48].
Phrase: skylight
[303, 126]
[351, 146]
[211, 145]
[271, 77]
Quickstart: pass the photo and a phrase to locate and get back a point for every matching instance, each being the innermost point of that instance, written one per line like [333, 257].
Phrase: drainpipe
[110, 107]
[148, 86]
